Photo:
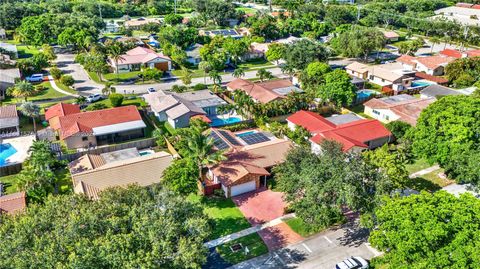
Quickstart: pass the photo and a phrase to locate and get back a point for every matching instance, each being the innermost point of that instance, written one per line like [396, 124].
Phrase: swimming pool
[363, 94]
[420, 83]
[221, 122]
[6, 150]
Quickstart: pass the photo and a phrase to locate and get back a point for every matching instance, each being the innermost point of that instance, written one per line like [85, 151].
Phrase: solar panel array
[230, 138]
[255, 138]
[218, 142]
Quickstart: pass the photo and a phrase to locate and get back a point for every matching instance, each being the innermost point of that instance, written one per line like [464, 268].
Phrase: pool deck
[21, 144]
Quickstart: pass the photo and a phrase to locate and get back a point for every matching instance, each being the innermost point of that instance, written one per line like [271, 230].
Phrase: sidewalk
[424, 171]
[56, 88]
[251, 230]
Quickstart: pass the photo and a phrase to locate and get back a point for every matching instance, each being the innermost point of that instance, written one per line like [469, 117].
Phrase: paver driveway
[265, 205]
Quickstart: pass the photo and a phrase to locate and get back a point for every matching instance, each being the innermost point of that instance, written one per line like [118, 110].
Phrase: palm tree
[108, 89]
[215, 76]
[434, 40]
[80, 100]
[23, 89]
[263, 74]
[200, 150]
[206, 67]
[115, 52]
[186, 76]
[32, 110]
[239, 72]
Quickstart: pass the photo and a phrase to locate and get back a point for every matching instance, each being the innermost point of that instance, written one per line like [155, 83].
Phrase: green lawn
[358, 109]
[259, 63]
[24, 51]
[65, 87]
[253, 242]
[247, 10]
[418, 165]
[299, 227]
[428, 182]
[63, 176]
[129, 99]
[226, 217]
[121, 76]
[48, 93]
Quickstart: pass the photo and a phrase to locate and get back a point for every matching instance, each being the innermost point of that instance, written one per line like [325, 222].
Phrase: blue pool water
[245, 134]
[221, 122]
[364, 94]
[420, 84]
[6, 150]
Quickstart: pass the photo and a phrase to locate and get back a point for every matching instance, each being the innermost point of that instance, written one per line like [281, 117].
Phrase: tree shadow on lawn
[422, 184]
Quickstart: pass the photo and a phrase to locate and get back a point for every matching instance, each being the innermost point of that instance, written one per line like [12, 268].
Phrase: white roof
[120, 127]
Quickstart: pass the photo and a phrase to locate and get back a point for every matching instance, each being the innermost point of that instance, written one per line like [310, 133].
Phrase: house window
[371, 77]
[383, 80]
[376, 112]
[387, 117]
[84, 138]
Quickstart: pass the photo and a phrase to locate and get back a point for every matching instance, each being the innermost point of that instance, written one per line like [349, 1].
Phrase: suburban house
[355, 134]
[431, 65]
[250, 157]
[401, 107]
[178, 108]
[193, 54]
[138, 23]
[12, 203]
[9, 121]
[264, 92]
[222, 32]
[437, 91]
[390, 75]
[111, 27]
[8, 77]
[140, 57]
[358, 70]
[391, 36]
[93, 173]
[10, 48]
[463, 13]
[460, 54]
[95, 128]
[256, 51]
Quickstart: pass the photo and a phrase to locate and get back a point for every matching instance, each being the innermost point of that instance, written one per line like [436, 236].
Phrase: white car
[352, 263]
[151, 90]
[94, 97]
[35, 78]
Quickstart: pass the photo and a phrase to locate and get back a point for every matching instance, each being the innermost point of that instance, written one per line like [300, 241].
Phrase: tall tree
[300, 53]
[275, 52]
[263, 74]
[31, 110]
[115, 52]
[338, 88]
[22, 89]
[238, 72]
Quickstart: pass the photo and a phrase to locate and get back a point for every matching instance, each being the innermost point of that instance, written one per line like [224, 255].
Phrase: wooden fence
[10, 170]
[139, 144]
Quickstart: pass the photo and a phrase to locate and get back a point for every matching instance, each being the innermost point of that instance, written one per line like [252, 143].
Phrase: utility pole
[270, 5]
[175, 7]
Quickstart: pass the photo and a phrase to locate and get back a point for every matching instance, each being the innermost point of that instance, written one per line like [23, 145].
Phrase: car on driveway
[94, 97]
[352, 263]
[151, 90]
[35, 78]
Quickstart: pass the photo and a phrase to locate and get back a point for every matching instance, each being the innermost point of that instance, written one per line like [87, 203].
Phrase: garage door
[243, 188]
[162, 66]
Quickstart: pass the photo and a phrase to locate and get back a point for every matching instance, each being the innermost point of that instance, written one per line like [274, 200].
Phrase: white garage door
[243, 188]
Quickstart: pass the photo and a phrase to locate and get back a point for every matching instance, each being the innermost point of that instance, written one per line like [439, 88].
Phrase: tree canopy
[300, 53]
[429, 231]
[126, 228]
[358, 42]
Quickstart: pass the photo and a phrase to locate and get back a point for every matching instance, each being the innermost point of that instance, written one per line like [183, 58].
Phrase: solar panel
[255, 138]
[230, 138]
[218, 142]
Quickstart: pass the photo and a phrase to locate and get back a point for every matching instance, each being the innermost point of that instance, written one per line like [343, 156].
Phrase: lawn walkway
[424, 171]
[251, 230]
[55, 87]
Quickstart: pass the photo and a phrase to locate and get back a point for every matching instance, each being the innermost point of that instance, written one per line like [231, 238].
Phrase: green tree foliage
[429, 231]
[263, 74]
[275, 52]
[179, 35]
[56, 72]
[398, 128]
[116, 99]
[338, 88]
[358, 42]
[67, 80]
[265, 26]
[313, 76]
[31, 110]
[125, 228]
[410, 47]
[22, 89]
[236, 48]
[216, 10]
[93, 62]
[173, 19]
[299, 54]
[181, 176]
[318, 187]
[34, 64]
[391, 163]
[48, 51]
[462, 67]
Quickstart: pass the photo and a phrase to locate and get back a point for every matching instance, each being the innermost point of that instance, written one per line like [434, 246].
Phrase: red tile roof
[351, 134]
[12, 203]
[60, 110]
[263, 91]
[433, 62]
[406, 59]
[311, 121]
[85, 121]
[436, 79]
[451, 53]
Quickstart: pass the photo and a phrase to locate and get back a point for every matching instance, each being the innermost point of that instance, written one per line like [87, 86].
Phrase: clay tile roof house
[401, 107]
[352, 132]
[264, 92]
[13, 203]
[431, 65]
[140, 57]
[95, 128]
[391, 36]
[250, 156]
[460, 54]
[138, 23]
[93, 173]
[9, 121]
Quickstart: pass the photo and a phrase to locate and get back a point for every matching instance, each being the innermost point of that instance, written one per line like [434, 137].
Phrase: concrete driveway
[262, 206]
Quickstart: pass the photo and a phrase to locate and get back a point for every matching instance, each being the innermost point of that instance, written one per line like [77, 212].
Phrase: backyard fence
[139, 144]
[10, 169]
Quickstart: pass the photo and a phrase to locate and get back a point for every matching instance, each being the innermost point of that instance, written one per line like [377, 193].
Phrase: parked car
[353, 263]
[94, 97]
[35, 78]
[150, 90]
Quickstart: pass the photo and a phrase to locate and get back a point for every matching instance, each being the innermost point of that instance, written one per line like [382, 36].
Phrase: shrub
[199, 87]
[56, 73]
[39, 88]
[179, 88]
[96, 106]
[464, 80]
[67, 80]
[398, 128]
[116, 99]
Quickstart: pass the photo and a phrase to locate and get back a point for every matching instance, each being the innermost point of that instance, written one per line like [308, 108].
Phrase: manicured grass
[373, 86]
[429, 182]
[247, 10]
[253, 242]
[418, 165]
[48, 93]
[63, 176]
[436, 179]
[225, 215]
[26, 124]
[358, 109]
[95, 77]
[129, 99]
[65, 87]
[24, 51]
[299, 227]
[259, 63]
[10, 183]
[121, 76]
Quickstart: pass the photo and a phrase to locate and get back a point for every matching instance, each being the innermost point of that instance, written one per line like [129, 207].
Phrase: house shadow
[354, 235]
